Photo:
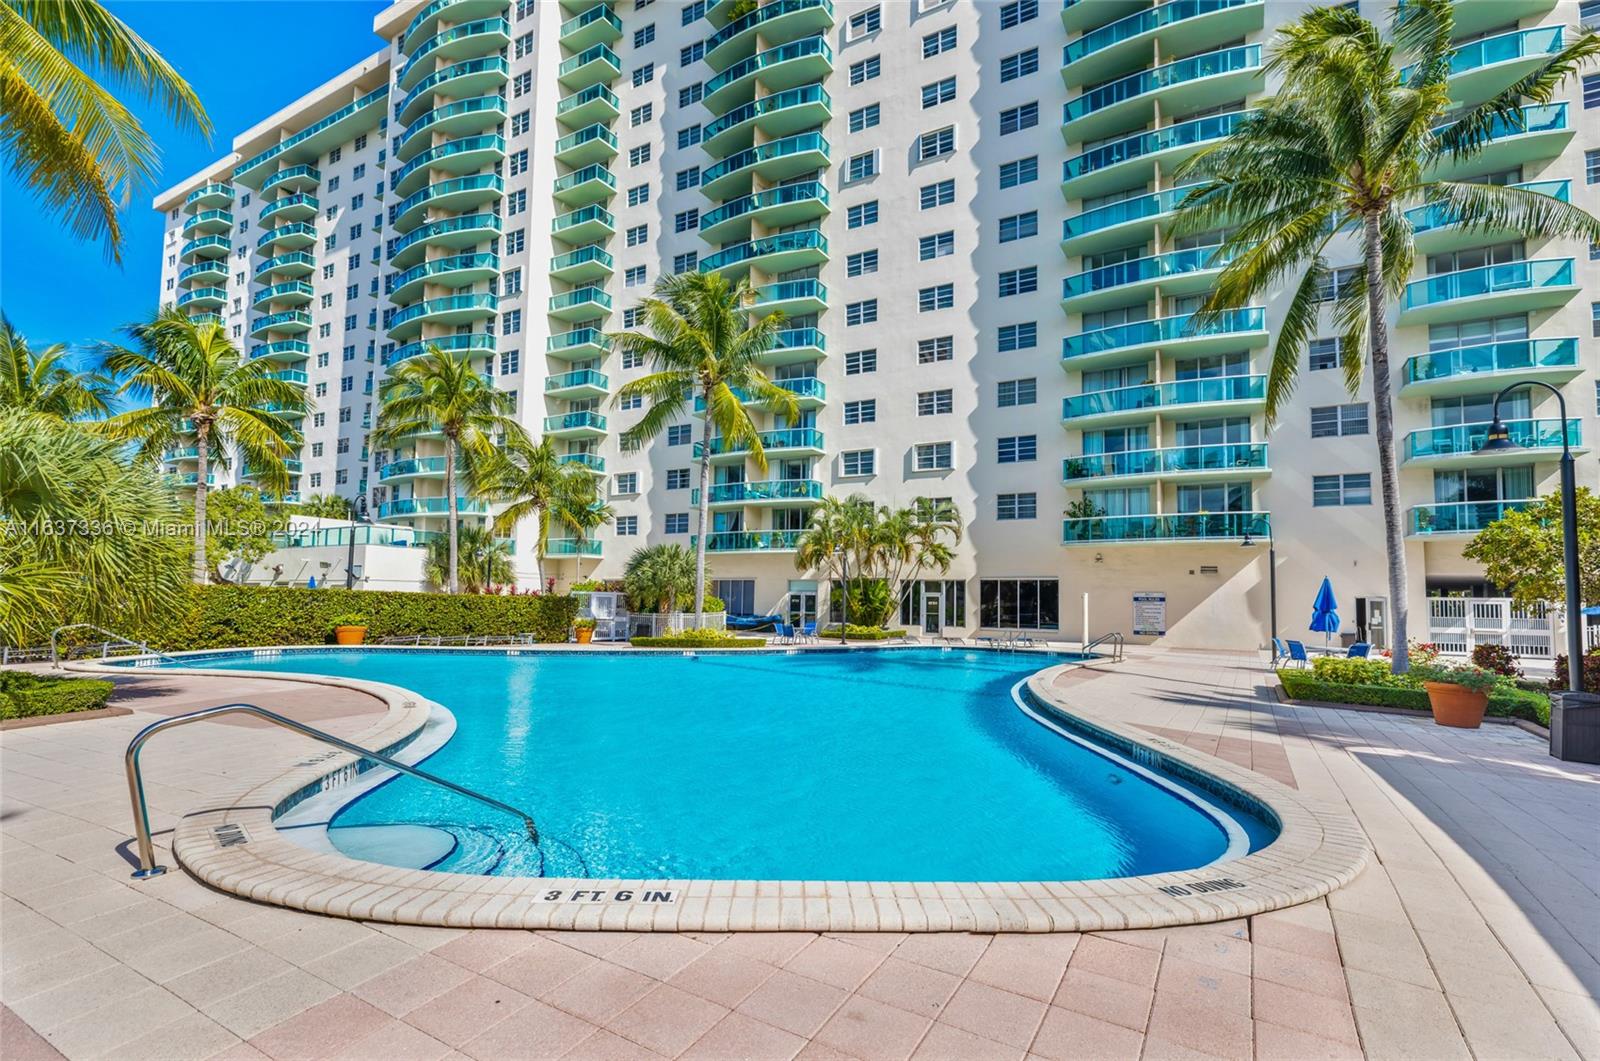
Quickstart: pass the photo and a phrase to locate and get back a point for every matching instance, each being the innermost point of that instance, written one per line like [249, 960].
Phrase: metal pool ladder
[141, 817]
[1114, 639]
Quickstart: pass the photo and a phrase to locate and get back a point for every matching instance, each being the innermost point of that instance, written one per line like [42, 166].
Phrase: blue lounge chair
[809, 631]
[1360, 650]
[1280, 654]
[785, 633]
[1297, 654]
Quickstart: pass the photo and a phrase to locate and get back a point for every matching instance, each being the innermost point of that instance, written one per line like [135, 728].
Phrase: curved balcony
[582, 424]
[589, 67]
[1197, 83]
[767, 492]
[1125, 344]
[297, 207]
[809, 393]
[287, 412]
[1485, 66]
[787, 442]
[778, 115]
[294, 376]
[293, 264]
[781, 207]
[189, 480]
[1437, 228]
[1229, 527]
[1189, 463]
[774, 161]
[1081, 16]
[1449, 447]
[283, 350]
[470, 40]
[593, 143]
[1218, 395]
[295, 236]
[1120, 224]
[413, 468]
[799, 249]
[762, 541]
[586, 303]
[582, 265]
[212, 269]
[293, 179]
[452, 196]
[1457, 517]
[590, 462]
[591, 184]
[587, 225]
[181, 453]
[796, 346]
[1179, 26]
[579, 344]
[208, 222]
[425, 21]
[792, 298]
[450, 344]
[597, 103]
[292, 321]
[1126, 283]
[459, 270]
[451, 311]
[776, 22]
[1539, 132]
[472, 77]
[206, 247]
[203, 298]
[577, 384]
[314, 140]
[207, 196]
[207, 318]
[458, 158]
[452, 119]
[456, 233]
[786, 66]
[1510, 287]
[413, 507]
[294, 292]
[1478, 369]
[573, 547]
[1136, 159]
[598, 25]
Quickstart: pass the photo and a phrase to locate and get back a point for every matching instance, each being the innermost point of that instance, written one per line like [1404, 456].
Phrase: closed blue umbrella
[1325, 612]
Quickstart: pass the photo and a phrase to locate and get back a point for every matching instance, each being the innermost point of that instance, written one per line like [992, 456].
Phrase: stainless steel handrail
[55, 659]
[141, 817]
[1114, 637]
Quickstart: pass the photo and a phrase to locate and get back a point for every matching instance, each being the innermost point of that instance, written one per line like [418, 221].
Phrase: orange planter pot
[349, 635]
[1456, 705]
[585, 636]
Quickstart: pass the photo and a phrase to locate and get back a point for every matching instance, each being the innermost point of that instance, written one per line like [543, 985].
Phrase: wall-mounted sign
[1149, 613]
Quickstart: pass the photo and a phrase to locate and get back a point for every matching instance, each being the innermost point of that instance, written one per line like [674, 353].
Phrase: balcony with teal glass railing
[412, 468]
[774, 22]
[1188, 85]
[454, 233]
[774, 161]
[780, 207]
[1534, 134]
[296, 376]
[792, 298]
[598, 25]
[203, 298]
[779, 253]
[809, 393]
[589, 67]
[592, 143]
[589, 185]
[753, 541]
[1462, 444]
[597, 103]
[1186, 398]
[207, 271]
[282, 350]
[795, 346]
[454, 119]
[312, 142]
[1437, 228]
[585, 225]
[1457, 517]
[767, 492]
[788, 441]
[585, 423]
[582, 265]
[582, 304]
[451, 311]
[1483, 67]
[412, 507]
[1228, 460]
[291, 466]
[299, 206]
[558, 547]
[1184, 272]
[778, 115]
[1492, 290]
[1121, 224]
[1233, 528]
[473, 344]
[1177, 27]
[294, 265]
[1136, 160]
[453, 196]
[293, 179]
[289, 293]
[579, 344]
[192, 479]
[455, 157]
[291, 321]
[786, 66]
[469, 40]
[1235, 329]
[1480, 368]
[181, 453]
[577, 384]
[205, 247]
[208, 222]
[294, 236]
[209, 196]
[590, 462]
[1081, 16]
[426, 21]
[470, 77]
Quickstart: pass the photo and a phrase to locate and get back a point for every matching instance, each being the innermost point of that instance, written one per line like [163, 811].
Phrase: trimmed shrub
[1505, 701]
[1591, 672]
[1497, 658]
[1355, 671]
[861, 633]
[706, 638]
[236, 616]
[25, 695]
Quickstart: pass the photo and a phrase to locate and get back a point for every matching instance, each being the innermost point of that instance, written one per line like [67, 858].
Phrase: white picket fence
[1459, 624]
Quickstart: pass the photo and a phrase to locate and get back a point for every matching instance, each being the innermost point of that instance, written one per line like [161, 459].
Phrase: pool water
[911, 764]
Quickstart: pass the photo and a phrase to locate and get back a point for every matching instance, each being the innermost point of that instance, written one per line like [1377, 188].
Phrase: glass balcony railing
[1435, 216]
[1517, 355]
[1142, 22]
[750, 541]
[214, 296]
[295, 174]
[1459, 517]
[291, 375]
[1187, 392]
[765, 13]
[1489, 280]
[1466, 439]
[491, 65]
[1111, 402]
[210, 267]
[804, 143]
[784, 438]
[583, 377]
[450, 344]
[439, 266]
[444, 227]
[207, 246]
[806, 47]
[486, 27]
[449, 304]
[800, 338]
[1534, 118]
[558, 344]
[598, 13]
[584, 419]
[299, 290]
[594, 172]
[1489, 51]
[298, 319]
[1145, 270]
[592, 461]
[295, 260]
[789, 291]
[1226, 61]
[294, 231]
[413, 467]
[478, 182]
[572, 547]
[800, 240]
[770, 490]
[376, 96]
[596, 93]
[1139, 208]
[1140, 145]
[435, 155]
[1239, 457]
[583, 216]
[806, 388]
[805, 95]
[595, 297]
[582, 256]
[282, 348]
[430, 506]
[599, 53]
[779, 196]
[1180, 526]
[1163, 330]
[596, 133]
[209, 220]
[213, 191]
[299, 202]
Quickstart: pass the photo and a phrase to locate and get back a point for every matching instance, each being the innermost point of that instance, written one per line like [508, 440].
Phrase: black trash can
[1575, 727]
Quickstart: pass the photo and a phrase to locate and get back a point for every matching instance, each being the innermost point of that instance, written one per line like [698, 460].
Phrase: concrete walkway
[1475, 934]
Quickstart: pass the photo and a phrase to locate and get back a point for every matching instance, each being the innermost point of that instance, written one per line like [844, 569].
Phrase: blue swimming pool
[913, 764]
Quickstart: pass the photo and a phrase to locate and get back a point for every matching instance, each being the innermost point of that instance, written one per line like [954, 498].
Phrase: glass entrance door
[802, 607]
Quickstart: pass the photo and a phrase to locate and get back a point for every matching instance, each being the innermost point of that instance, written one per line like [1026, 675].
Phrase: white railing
[1460, 624]
[655, 625]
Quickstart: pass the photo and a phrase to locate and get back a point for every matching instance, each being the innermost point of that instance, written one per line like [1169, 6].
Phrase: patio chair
[1359, 650]
[1280, 653]
[809, 631]
[1297, 654]
[785, 634]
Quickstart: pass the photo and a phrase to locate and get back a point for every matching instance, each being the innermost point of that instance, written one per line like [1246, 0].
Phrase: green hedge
[698, 639]
[235, 616]
[25, 695]
[1503, 702]
[861, 633]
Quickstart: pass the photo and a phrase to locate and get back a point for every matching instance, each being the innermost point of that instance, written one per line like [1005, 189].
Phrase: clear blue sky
[58, 290]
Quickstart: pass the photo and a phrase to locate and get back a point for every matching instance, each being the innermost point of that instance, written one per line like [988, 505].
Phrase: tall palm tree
[439, 392]
[326, 506]
[838, 540]
[1349, 142]
[66, 137]
[40, 381]
[657, 576]
[187, 373]
[911, 541]
[483, 563]
[703, 344]
[534, 483]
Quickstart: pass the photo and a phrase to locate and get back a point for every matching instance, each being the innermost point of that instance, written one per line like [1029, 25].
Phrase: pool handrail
[141, 816]
[114, 638]
[1114, 639]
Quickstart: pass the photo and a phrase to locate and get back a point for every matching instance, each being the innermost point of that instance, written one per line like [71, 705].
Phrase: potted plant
[350, 629]
[1457, 692]
[584, 628]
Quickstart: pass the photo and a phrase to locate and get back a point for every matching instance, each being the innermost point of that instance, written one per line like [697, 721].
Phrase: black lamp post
[844, 592]
[1272, 578]
[358, 516]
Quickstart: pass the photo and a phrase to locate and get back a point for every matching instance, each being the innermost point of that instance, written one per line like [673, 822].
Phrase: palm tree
[482, 563]
[658, 575]
[326, 506]
[439, 392]
[67, 138]
[703, 345]
[1347, 144]
[41, 382]
[838, 540]
[533, 482]
[910, 541]
[189, 373]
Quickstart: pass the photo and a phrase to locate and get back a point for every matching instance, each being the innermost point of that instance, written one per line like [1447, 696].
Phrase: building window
[1023, 336]
[861, 411]
[1019, 603]
[638, 235]
[685, 263]
[1591, 166]
[517, 163]
[1337, 282]
[1021, 171]
[936, 403]
[938, 245]
[1017, 392]
[688, 178]
[939, 92]
[860, 362]
[634, 276]
[627, 526]
[686, 221]
[691, 94]
[940, 296]
[939, 348]
[638, 156]
[1019, 226]
[858, 462]
[693, 53]
[864, 117]
[1331, 490]
[941, 193]
[1019, 65]
[738, 595]
[510, 362]
[933, 456]
[689, 137]
[1015, 449]
[1591, 91]
[937, 143]
[862, 166]
[638, 195]
[942, 41]
[522, 84]
[1016, 506]
[862, 214]
[641, 114]
[1331, 420]
[677, 478]
[1016, 119]
[1323, 354]
[516, 239]
[644, 75]
[627, 483]
[866, 69]
[861, 263]
[863, 312]
[1017, 12]
[1019, 281]
[677, 523]
[678, 434]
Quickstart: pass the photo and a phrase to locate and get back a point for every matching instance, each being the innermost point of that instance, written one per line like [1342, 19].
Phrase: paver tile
[599, 992]
[467, 1010]
[736, 1037]
[322, 1030]
[535, 1031]
[864, 1028]
[667, 1020]
[1105, 998]
[994, 1014]
[793, 1002]
[1066, 1035]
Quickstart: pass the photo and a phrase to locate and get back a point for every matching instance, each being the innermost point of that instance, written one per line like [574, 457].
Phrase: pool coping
[1319, 848]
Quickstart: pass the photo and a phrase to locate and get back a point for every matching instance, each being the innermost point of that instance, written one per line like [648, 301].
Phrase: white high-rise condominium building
[509, 179]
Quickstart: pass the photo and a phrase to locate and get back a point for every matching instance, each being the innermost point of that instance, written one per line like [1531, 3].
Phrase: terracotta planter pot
[349, 635]
[1455, 705]
[585, 635]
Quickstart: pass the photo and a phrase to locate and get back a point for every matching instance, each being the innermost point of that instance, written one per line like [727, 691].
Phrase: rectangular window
[862, 214]
[1016, 506]
[939, 92]
[860, 362]
[626, 483]
[638, 195]
[522, 84]
[1591, 91]
[865, 22]
[942, 193]
[685, 263]
[858, 462]
[862, 166]
[1019, 65]
[1024, 336]
[516, 240]
[638, 235]
[936, 144]
[516, 202]
[688, 178]
[1017, 12]
[1019, 603]
[688, 137]
[938, 245]
[1351, 489]
[865, 70]
[678, 434]
[1018, 392]
[1323, 354]
[1337, 282]
[864, 117]
[1332, 420]
[1591, 166]
[523, 46]
[942, 41]
[935, 403]
[517, 163]
[1021, 171]
[511, 322]
[686, 221]
[692, 53]
[677, 478]
[627, 526]
[1019, 281]
[939, 348]
[1019, 226]
[863, 312]
[511, 282]
[634, 276]
[644, 35]
[1016, 119]
[861, 263]
[933, 456]
[644, 75]
[861, 411]
[1016, 449]
[694, 11]
[642, 114]
[677, 523]
[638, 156]
[940, 296]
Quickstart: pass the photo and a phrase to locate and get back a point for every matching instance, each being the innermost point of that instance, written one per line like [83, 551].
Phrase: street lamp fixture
[1272, 577]
[358, 516]
[844, 592]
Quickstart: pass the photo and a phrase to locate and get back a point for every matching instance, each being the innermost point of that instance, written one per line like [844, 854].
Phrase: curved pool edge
[1318, 849]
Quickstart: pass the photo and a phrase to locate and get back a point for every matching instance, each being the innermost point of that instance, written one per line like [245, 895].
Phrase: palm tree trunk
[539, 533]
[705, 509]
[450, 505]
[1388, 470]
[202, 432]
